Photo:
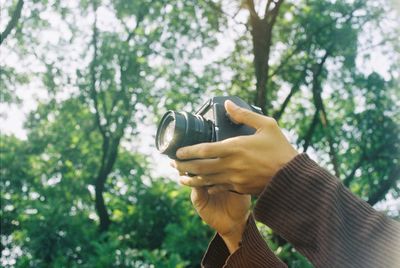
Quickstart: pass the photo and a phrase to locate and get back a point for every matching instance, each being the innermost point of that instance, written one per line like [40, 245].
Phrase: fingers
[216, 189]
[244, 116]
[195, 181]
[206, 150]
[199, 167]
[202, 181]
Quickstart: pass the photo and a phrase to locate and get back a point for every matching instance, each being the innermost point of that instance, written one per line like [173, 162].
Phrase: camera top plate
[224, 127]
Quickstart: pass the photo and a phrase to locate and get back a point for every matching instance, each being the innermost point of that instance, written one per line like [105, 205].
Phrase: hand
[226, 212]
[245, 164]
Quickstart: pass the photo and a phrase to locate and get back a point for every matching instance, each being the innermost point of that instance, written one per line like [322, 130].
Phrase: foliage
[75, 194]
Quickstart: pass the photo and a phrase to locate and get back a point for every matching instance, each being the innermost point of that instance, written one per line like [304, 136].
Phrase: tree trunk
[110, 152]
[100, 204]
[261, 57]
[261, 32]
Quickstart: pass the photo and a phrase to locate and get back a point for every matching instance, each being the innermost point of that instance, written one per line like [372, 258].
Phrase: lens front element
[167, 134]
[177, 130]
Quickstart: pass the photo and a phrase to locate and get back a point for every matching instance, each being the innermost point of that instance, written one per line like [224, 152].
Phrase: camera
[209, 124]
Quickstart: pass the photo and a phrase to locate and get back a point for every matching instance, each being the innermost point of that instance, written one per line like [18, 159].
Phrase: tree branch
[349, 178]
[332, 151]
[139, 19]
[93, 91]
[233, 17]
[278, 114]
[300, 45]
[267, 8]
[384, 187]
[13, 21]
[364, 156]
[319, 105]
[320, 110]
[252, 9]
[273, 14]
[310, 132]
[317, 70]
[285, 61]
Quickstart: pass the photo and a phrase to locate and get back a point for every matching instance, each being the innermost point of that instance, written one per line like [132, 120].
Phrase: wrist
[286, 157]
[233, 238]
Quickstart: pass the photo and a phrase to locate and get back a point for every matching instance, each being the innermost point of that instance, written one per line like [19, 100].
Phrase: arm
[302, 202]
[312, 209]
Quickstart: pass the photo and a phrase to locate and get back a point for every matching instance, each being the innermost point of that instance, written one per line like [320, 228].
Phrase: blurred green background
[84, 83]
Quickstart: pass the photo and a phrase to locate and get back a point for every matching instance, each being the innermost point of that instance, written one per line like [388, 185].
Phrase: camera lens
[168, 135]
[177, 130]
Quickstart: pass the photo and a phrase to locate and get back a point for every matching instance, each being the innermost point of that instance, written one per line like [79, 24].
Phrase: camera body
[209, 124]
[214, 110]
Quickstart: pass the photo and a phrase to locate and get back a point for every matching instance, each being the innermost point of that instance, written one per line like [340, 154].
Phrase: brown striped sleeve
[312, 209]
[217, 253]
[253, 251]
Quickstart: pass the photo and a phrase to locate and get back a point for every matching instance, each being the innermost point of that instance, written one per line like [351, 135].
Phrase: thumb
[244, 116]
[216, 189]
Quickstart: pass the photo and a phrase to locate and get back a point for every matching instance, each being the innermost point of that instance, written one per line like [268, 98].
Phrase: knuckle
[234, 179]
[271, 122]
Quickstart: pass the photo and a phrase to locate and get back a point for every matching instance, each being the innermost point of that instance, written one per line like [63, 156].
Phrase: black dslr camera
[211, 123]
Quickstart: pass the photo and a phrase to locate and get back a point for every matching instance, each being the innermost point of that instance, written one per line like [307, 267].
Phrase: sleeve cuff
[217, 253]
[294, 194]
[253, 251]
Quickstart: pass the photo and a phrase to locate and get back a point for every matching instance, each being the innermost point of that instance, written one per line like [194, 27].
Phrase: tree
[75, 193]
[115, 81]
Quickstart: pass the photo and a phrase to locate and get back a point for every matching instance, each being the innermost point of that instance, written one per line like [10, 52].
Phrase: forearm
[233, 239]
[311, 209]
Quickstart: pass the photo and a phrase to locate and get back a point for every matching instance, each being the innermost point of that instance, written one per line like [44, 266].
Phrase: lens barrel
[177, 130]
